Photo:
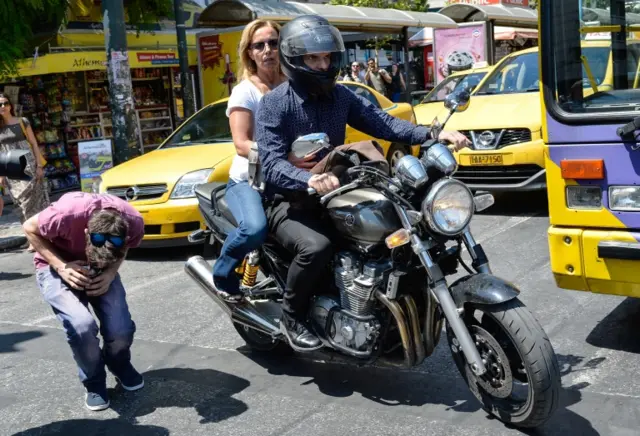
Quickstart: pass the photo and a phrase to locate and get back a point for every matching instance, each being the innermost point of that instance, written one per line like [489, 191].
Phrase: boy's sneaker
[130, 379]
[96, 399]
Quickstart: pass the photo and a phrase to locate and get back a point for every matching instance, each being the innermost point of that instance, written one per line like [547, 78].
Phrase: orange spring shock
[251, 269]
[240, 269]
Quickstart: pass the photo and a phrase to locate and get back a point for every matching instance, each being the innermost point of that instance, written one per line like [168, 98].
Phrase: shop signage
[158, 58]
[88, 63]
[522, 3]
[210, 51]
[95, 157]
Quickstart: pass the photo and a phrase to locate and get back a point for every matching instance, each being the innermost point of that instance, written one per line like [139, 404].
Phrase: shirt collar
[299, 93]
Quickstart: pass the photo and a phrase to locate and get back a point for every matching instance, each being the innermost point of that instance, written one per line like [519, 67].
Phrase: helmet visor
[321, 39]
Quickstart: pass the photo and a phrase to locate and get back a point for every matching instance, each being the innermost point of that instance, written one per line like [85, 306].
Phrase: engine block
[357, 282]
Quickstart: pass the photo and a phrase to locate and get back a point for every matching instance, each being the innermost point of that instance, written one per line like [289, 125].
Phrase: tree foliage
[19, 17]
[405, 5]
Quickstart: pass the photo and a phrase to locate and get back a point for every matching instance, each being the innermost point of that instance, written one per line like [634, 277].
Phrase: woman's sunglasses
[4, 103]
[273, 45]
[99, 239]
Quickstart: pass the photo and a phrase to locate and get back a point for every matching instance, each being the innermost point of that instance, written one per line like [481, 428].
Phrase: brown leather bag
[337, 161]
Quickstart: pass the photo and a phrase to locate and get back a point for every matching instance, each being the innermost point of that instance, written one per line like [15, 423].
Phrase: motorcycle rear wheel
[510, 332]
[261, 342]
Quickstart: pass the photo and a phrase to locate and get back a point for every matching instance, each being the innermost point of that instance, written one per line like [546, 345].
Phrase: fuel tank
[363, 215]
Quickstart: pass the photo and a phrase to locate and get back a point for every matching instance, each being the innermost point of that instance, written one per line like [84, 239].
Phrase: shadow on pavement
[412, 388]
[8, 341]
[95, 427]
[518, 203]
[208, 391]
[618, 330]
[9, 276]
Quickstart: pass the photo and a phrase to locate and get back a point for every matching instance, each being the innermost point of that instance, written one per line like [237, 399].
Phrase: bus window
[603, 40]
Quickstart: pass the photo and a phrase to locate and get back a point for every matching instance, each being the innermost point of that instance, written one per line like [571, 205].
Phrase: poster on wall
[95, 157]
[458, 49]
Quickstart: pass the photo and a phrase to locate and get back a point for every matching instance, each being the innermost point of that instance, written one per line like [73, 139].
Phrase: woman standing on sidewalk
[30, 197]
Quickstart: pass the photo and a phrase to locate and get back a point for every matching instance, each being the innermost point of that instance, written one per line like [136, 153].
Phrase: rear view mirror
[310, 143]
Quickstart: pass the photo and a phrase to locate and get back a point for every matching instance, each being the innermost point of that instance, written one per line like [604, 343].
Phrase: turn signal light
[591, 169]
[398, 238]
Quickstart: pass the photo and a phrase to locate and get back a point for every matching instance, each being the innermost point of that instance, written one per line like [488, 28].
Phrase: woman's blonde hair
[248, 66]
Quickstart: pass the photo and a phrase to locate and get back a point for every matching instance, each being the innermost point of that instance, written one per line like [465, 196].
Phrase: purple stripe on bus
[621, 167]
[563, 134]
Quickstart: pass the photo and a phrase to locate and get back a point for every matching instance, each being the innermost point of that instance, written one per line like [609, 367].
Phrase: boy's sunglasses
[273, 44]
[99, 239]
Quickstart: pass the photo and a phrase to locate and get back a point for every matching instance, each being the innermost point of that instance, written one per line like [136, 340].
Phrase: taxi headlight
[448, 207]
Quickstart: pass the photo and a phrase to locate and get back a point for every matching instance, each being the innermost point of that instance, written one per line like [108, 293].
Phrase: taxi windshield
[453, 84]
[209, 126]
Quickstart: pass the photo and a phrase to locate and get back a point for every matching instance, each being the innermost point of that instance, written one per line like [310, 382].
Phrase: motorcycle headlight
[95, 186]
[185, 188]
[448, 207]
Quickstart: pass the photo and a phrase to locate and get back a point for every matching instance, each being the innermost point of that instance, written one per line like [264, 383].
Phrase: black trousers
[300, 229]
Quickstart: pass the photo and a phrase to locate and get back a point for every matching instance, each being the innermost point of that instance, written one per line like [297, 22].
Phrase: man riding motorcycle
[310, 50]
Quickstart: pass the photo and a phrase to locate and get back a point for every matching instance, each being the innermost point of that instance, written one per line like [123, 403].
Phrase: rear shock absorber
[251, 269]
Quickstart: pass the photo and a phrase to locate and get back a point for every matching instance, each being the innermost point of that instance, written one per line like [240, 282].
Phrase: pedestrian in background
[29, 197]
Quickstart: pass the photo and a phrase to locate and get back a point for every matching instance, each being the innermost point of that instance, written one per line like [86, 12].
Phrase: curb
[12, 242]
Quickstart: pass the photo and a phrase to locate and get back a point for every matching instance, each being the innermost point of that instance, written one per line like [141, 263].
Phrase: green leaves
[405, 5]
[27, 24]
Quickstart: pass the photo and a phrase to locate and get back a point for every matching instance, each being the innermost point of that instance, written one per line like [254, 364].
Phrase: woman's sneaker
[96, 399]
[129, 378]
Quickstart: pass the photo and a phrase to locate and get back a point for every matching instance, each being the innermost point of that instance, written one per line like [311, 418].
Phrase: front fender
[482, 289]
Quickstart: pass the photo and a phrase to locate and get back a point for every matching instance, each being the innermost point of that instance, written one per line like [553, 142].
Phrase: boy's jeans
[116, 327]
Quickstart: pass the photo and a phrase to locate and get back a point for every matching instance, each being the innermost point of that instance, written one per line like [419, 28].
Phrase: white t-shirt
[245, 95]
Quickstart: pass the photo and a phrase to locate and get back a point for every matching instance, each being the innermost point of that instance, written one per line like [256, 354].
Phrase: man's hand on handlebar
[324, 183]
[456, 139]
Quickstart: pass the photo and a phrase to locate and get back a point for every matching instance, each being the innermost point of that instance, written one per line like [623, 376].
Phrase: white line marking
[509, 224]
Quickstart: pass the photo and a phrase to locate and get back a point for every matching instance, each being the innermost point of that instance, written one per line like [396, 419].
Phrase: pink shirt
[64, 223]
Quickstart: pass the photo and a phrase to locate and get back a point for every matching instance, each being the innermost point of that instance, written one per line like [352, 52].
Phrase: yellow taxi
[161, 183]
[504, 122]
[433, 103]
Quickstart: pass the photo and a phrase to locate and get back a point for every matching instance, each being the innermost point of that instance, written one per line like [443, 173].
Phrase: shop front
[65, 96]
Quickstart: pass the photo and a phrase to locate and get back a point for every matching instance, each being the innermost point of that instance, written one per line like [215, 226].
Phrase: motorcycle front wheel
[522, 383]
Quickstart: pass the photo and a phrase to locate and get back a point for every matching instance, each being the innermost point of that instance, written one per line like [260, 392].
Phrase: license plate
[486, 159]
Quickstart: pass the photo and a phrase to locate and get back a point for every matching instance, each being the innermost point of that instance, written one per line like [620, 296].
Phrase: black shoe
[298, 333]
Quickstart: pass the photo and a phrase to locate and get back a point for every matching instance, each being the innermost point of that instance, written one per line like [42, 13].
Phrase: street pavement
[200, 380]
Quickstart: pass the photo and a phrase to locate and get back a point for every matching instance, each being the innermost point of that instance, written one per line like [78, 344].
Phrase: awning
[499, 14]
[229, 13]
[604, 16]
[501, 33]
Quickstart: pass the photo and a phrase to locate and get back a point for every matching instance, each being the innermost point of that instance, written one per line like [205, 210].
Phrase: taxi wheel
[395, 153]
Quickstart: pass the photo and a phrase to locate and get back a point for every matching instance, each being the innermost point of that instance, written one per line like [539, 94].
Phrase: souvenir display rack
[68, 108]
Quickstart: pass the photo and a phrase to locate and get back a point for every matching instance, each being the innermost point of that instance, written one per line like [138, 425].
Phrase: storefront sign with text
[158, 58]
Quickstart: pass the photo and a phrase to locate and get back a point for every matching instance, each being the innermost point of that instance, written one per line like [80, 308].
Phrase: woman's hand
[39, 173]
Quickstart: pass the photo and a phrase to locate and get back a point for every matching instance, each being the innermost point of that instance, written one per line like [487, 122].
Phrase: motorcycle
[388, 300]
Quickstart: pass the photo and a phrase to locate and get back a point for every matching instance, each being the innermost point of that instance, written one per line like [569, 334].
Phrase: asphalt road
[200, 380]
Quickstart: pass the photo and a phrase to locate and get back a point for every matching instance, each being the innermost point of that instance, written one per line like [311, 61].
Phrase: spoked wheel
[261, 342]
[522, 382]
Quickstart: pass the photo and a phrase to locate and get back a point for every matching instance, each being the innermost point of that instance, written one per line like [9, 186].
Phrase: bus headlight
[448, 207]
[624, 198]
[584, 197]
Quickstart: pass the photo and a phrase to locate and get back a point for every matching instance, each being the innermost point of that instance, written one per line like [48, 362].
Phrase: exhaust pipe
[241, 313]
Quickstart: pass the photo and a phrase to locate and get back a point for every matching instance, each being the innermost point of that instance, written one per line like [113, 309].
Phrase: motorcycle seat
[215, 192]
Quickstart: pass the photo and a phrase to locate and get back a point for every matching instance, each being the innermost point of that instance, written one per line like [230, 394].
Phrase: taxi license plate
[486, 159]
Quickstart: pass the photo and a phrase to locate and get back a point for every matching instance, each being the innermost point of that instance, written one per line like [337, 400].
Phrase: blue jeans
[245, 204]
[116, 326]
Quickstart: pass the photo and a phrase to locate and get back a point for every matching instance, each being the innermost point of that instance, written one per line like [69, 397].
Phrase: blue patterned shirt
[287, 113]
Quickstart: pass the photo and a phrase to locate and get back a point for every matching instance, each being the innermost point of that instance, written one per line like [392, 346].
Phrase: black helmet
[310, 34]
